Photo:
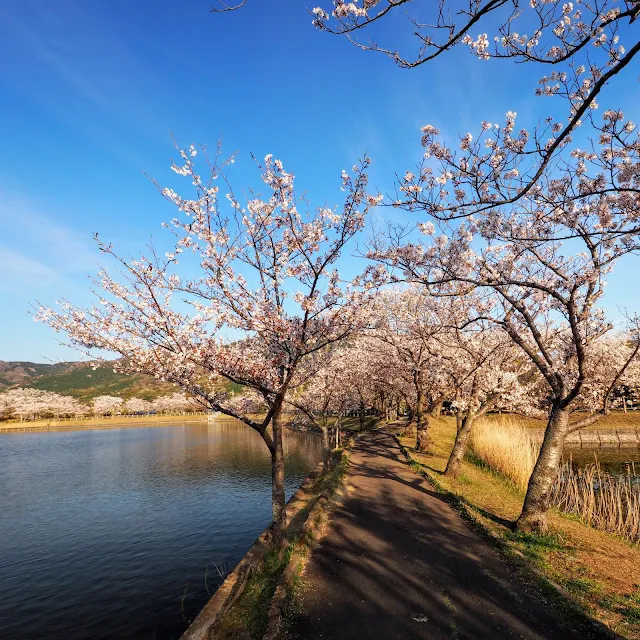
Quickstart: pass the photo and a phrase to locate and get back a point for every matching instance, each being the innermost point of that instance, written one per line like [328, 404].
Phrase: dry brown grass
[614, 420]
[507, 447]
[606, 502]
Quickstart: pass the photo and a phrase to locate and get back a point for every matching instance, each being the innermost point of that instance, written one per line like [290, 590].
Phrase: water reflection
[614, 460]
[108, 534]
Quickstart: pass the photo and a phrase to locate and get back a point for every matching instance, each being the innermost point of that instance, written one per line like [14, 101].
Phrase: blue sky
[94, 89]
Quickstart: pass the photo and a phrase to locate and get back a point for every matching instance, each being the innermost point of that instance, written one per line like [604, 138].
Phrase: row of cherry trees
[494, 307]
[427, 351]
[536, 219]
[502, 273]
[30, 404]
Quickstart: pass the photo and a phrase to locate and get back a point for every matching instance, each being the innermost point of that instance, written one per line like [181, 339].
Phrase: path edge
[310, 534]
[560, 596]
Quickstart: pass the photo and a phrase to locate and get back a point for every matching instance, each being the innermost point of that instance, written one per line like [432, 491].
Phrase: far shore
[118, 422]
[103, 422]
[615, 421]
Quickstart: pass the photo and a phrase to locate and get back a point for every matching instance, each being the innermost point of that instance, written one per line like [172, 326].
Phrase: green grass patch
[536, 546]
[599, 572]
[247, 618]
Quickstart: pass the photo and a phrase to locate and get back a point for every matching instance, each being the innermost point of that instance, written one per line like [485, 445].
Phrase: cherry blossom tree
[327, 393]
[29, 404]
[176, 403]
[582, 42]
[351, 378]
[261, 294]
[107, 405]
[547, 266]
[137, 405]
[485, 371]
[408, 326]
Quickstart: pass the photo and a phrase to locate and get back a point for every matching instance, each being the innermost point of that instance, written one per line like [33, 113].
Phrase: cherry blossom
[545, 266]
[107, 405]
[263, 270]
[582, 44]
[29, 404]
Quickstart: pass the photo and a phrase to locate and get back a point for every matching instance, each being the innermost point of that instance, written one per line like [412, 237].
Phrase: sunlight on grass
[506, 447]
[601, 571]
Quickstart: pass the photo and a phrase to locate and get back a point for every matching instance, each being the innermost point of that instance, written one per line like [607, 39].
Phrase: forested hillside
[80, 380]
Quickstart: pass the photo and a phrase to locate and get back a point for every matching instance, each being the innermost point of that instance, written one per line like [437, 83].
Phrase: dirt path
[398, 562]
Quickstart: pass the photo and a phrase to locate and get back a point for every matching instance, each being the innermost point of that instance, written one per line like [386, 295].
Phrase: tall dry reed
[604, 501]
[506, 447]
[601, 500]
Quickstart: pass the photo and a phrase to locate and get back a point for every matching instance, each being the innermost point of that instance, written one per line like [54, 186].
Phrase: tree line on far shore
[33, 404]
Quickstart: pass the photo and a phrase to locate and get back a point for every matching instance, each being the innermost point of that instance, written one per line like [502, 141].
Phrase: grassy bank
[600, 571]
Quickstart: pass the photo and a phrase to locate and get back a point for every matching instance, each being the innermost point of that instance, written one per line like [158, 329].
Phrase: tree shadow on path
[399, 562]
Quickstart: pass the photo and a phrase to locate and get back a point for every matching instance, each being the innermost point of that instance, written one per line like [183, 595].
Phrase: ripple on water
[108, 534]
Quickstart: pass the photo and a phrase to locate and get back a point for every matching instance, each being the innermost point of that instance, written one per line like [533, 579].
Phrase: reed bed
[507, 447]
[606, 502]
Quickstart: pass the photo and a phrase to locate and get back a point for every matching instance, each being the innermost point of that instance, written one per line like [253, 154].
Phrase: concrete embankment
[233, 586]
[596, 438]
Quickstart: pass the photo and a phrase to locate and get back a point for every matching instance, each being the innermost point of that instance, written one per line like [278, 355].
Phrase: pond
[614, 460]
[125, 533]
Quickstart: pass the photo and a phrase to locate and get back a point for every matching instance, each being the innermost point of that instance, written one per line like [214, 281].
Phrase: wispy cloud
[37, 250]
[69, 45]
[20, 272]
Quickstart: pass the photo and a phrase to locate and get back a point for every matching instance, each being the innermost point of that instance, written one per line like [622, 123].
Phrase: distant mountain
[21, 373]
[79, 380]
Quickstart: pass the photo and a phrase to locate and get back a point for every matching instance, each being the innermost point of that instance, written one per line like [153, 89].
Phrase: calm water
[618, 461]
[111, 534]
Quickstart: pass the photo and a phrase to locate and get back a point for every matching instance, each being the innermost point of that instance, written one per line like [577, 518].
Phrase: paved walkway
[397, 562]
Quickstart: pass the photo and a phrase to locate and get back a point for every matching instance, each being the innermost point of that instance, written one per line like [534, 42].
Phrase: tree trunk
[436, 411]
[536, 502]
[460, 446]
[422, 420]
[422, 432]
[278, 503]
[326, 445]
[362, 420]
[411, 413]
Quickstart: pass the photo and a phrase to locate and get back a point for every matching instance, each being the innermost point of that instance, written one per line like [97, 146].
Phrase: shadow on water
[614, 460]
[122, 533]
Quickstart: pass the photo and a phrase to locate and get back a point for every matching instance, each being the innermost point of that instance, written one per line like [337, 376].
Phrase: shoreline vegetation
[290, 421]
[265, 596]
[598, 570]
[101, 422]
[605, 501]
[616, 420]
